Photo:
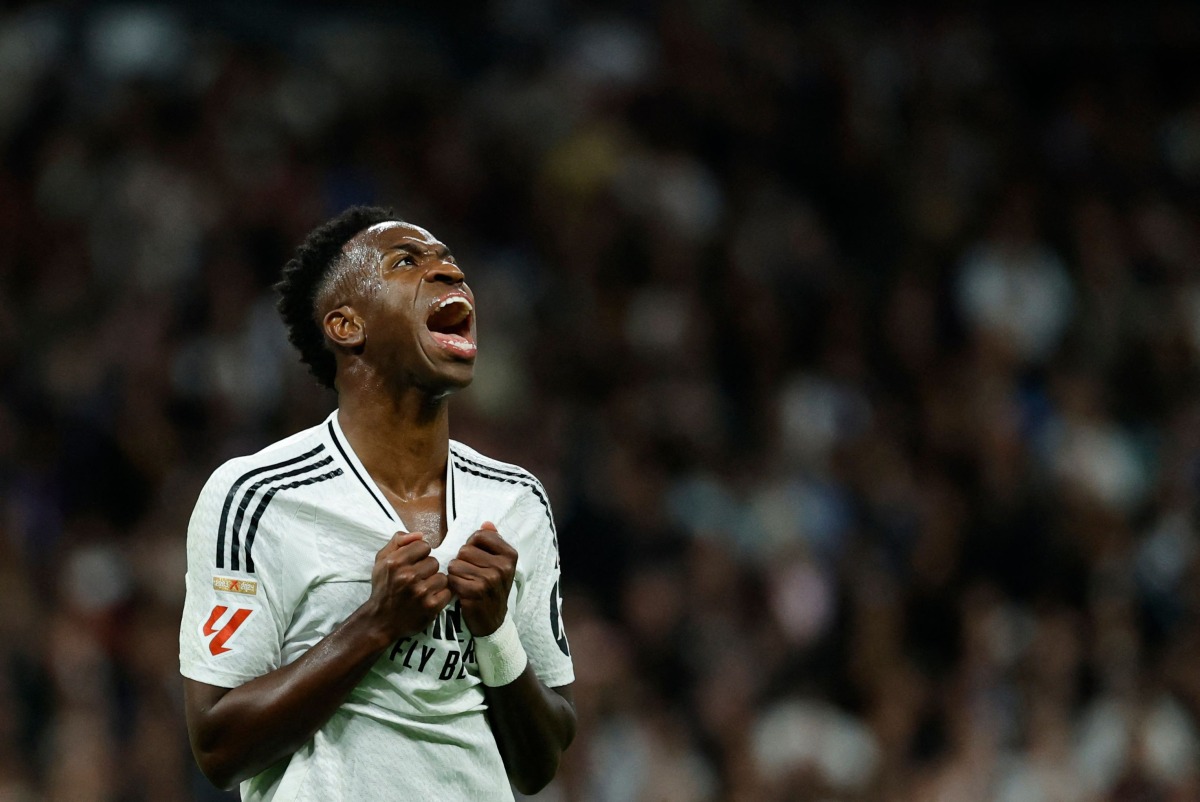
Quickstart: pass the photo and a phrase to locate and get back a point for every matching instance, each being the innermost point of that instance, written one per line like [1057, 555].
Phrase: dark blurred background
[856, 347]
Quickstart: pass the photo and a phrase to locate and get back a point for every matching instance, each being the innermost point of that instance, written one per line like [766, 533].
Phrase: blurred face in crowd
[403, 306]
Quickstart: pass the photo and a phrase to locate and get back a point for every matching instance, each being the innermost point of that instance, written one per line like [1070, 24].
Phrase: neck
[402, 436]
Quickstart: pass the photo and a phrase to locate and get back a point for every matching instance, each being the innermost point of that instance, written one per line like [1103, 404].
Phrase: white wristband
[500, 656]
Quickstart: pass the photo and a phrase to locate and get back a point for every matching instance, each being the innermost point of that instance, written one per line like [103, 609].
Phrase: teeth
[456, 299]
[457, 342]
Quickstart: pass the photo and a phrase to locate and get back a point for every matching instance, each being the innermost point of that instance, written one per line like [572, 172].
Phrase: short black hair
[302, 279]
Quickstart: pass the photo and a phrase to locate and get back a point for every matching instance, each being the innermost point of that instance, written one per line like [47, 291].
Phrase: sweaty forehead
[391, 232]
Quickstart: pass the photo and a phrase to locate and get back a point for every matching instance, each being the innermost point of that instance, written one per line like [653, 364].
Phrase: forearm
[237, 734]
[533, 726]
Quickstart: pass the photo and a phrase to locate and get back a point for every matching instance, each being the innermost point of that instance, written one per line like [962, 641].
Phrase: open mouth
[450, 323]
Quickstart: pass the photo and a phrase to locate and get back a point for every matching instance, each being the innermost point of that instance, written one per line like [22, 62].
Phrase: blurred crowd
[857, 348]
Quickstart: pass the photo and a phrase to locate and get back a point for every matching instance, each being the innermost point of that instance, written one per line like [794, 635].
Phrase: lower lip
[454, 343]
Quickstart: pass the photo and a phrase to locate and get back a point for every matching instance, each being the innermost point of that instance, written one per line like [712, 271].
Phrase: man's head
[386, 295]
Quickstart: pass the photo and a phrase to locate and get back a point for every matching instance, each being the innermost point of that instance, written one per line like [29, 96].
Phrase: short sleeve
[239, 599]
[539, 615]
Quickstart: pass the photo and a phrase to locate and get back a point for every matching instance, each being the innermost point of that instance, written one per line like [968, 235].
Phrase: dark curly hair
[303, 276]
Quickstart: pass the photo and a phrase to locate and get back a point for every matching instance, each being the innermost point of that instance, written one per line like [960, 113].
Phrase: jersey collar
[342, 446]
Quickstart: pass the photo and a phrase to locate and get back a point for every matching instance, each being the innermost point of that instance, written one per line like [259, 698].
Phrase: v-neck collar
[342, 443]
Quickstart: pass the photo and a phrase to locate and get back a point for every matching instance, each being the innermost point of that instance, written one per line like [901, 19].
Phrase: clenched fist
[407, 590]
[481, 575]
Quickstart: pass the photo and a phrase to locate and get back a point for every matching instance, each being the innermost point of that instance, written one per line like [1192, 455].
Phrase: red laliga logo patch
[219, 637]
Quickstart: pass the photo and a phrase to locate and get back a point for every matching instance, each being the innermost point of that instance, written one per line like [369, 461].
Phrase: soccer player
[373, 609]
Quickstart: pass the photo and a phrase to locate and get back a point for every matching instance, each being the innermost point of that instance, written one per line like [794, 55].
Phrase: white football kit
[280, 551]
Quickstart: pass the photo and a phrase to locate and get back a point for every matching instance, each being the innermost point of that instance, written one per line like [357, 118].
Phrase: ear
[345, 328]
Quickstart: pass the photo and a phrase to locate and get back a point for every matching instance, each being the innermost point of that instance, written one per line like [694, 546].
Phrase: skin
[393, 383]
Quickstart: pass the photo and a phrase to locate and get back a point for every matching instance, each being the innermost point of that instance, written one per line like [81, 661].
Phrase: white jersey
[280, 551]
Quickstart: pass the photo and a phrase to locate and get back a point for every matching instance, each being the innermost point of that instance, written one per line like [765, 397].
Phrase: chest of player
[427, 672]
[345, 537]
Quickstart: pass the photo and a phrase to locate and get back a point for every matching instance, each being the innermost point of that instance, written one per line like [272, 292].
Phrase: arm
[533, 724]
[237, 733]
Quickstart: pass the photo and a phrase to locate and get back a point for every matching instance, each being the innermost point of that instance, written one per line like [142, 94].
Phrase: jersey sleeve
[238, 602]
[539, 616]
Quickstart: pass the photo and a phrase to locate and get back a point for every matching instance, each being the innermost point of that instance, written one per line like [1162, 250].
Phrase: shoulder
[293, 456]
[249, 492]
[473, 463]
[233, 494]
[467, 456]
[529, 496]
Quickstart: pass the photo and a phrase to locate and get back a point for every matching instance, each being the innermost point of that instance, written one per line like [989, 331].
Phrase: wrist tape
[500, 656]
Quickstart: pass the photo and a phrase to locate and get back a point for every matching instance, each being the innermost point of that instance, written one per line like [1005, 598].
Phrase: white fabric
[415, 725]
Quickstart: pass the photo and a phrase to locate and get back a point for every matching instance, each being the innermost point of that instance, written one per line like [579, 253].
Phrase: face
[419, 328]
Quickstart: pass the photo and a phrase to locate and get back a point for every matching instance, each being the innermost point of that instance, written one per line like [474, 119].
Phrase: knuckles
[482, 573]
[493, 540]
[499, 545]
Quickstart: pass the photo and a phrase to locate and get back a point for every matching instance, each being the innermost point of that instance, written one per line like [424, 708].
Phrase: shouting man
[373, 609]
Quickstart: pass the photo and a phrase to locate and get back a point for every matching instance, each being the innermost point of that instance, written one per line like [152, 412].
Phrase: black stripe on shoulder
[520, 473]
[237, 486]
[511, 478]
[357, 475]
[249, 494]
[514, 479]
[266, 500]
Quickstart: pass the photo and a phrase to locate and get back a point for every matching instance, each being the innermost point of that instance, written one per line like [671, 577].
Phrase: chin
[447, 381]
[461, 382]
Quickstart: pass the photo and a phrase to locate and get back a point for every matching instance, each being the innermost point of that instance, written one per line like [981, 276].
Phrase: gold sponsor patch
[247, 586]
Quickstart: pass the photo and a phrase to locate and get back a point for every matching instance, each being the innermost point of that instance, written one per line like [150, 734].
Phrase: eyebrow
[441, 251]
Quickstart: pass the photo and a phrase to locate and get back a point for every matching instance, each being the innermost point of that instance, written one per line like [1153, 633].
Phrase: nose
[445, 272]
